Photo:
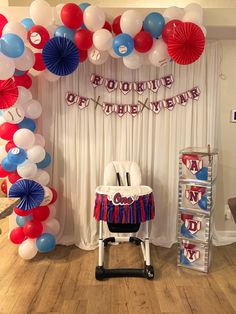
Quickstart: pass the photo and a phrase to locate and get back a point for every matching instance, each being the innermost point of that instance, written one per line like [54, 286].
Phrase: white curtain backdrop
[82, 142]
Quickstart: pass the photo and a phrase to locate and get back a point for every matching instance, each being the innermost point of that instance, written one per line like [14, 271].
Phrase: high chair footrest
[102, 272]
[107, 240]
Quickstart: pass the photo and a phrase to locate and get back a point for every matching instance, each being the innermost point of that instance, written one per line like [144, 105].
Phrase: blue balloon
[203, 203]
[84, 6]
[63, 31]
[12, 46]
[46, 243]
[44, 163]
[19, 72]
[16, 155]
[154, 24]
[27, 123]
[1, 113]
[202, 174]
[123, 45]
[7, 165]
[22, 220]
[27, 23]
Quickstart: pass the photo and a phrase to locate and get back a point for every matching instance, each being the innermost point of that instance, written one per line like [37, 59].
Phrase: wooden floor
[63, 282]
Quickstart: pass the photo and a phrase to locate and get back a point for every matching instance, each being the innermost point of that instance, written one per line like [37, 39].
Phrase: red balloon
[198, 189]
[33, 229]
[169, 29]
[38, 36]
[9, 145]
[54, 197]
[41, 213]
[72, 15]
[3, 22]
[116, 25]
[107, 26]
[23, 80]
[13, 177]
[17, 235]
[83, 55]
[143, 42]
[3, 173]
[4, 186]
[39, 65]
[21, 212]
[83, 39]
[7, 130]
[186, 157]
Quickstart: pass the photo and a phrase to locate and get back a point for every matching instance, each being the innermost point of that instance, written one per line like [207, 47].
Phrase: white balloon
[51, 226]
[102, 39]
[49, 76]
[14, 114]
[131, 22]
[39, 140]
[133, 61]
[42, 177]
[57, 13]
[7, 67]
[94, 18]
[158, 55]
[15, 28]
[24, 138]
[113, 54]
[203, 30]
[97, 57]
[33, 109]
[36, 154]
[193, 17]
[194, 7]
[2, 120]
[47, 196]
[27, 170]
[3, 153]
[24, 95]
[26, 61]
[27, 249]
[53, 211]
[51, 29]
[172, 13]
[41, 12]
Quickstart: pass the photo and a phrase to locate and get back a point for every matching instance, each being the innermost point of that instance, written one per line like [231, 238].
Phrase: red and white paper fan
[8, 93]
[186, 44]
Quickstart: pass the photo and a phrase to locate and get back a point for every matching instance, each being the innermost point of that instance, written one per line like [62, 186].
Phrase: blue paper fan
[30, 192]
[60, 56]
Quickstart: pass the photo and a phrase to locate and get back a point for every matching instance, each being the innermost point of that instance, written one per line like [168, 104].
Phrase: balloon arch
[53, 42]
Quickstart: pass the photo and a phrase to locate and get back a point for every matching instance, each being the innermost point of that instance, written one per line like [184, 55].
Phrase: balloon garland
[53, 42]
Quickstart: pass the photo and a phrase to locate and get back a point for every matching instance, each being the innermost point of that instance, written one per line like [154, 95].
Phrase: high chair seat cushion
[124, 204]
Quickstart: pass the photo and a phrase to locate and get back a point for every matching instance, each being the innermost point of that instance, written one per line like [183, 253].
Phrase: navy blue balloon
[123, 45]
[45, 163]
[27, 123]
[63, 31]
[60, 56]
[22, 220]
[27, 23]
[202, 174]
[154, 24]
[12, 46]
[46, 243]
[16, 155]
[203, 203]
[7, 165]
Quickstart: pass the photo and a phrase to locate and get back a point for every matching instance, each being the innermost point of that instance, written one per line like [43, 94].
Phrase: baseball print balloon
[14, 114]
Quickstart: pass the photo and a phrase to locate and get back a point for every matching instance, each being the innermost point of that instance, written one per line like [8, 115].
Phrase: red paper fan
[186, 44]
[8, 93]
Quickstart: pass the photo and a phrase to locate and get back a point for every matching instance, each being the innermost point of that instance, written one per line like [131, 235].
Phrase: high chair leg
[100, 245]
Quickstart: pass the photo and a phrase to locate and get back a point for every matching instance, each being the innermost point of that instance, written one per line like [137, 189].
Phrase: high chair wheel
[149, 272]
[100, 273]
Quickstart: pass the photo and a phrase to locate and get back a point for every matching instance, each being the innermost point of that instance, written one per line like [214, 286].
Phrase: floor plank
[63, 282]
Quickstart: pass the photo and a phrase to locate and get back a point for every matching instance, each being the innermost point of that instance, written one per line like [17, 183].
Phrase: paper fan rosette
[60, 56]
[31, 193]
[8, 93]
[186, 44]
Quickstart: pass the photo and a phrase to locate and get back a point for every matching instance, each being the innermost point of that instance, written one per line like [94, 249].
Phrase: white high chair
[124, 204]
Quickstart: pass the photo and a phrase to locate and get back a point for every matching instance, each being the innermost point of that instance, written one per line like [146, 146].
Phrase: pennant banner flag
[125, 87]
[135, 109]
